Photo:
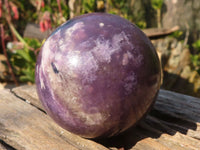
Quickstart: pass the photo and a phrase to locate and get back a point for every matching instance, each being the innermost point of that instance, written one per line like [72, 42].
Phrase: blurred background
[172, 25]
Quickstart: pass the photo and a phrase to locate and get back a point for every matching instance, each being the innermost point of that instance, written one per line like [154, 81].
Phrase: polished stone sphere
[97, 75]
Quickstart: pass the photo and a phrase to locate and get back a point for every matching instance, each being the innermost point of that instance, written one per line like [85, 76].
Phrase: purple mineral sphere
[97, 75]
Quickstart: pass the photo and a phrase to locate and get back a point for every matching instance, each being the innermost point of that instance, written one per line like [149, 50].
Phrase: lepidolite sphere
[97, 75]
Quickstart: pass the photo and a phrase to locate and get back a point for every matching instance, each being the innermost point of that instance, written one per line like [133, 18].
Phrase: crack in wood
[5, 146]
[25, 127]
[27, 101]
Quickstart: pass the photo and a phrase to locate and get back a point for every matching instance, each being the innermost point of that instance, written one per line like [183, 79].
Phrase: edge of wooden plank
[24, 127]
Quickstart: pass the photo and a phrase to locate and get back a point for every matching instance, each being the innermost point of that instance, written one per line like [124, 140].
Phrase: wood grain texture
[24, 127]
[173, 123]
[156, 32]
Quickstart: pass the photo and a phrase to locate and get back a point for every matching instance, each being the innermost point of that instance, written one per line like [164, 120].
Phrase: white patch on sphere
[74, 61]
[88, 68]
[45, 58]
[73, 28]
[126, 57]
[40, 78]
[60, 42]
[101, 24]
[42, 86]
[58, 56]
[45, 55]
[130, 82]
[104, 49]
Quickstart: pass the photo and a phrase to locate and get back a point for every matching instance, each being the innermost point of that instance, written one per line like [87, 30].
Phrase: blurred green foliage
[129, 10]
[195, 58]
[23, 61]
[177, 34]
[157, 4]
[196, 45]
[88, 6]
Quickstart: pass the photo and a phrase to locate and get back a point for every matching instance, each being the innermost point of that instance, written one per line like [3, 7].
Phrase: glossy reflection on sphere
[97, 75]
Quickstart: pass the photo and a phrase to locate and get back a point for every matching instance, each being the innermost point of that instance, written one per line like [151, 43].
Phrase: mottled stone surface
[97, 75]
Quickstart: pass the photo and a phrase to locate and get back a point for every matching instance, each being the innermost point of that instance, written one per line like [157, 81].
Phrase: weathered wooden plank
[4, 146]
[174, 140]
[179, 105]
[150, 144]
[24, 127]
[28, 94]
[155, 32]
[172, 124]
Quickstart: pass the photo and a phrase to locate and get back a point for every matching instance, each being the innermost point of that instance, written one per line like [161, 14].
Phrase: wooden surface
[157, 32]
[173, 124]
